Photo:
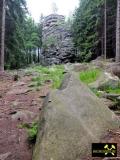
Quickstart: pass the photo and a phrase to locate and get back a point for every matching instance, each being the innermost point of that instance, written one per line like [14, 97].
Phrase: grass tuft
[53, 74]
[31, 130]
[112, 90]
[89, 76]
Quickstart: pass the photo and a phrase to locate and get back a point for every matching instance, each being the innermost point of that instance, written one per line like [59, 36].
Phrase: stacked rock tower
[58, 47]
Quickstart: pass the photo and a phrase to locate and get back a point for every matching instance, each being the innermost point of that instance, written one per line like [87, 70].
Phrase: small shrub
[32, 132]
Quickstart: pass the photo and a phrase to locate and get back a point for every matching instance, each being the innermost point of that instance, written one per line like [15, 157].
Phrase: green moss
[89, 76]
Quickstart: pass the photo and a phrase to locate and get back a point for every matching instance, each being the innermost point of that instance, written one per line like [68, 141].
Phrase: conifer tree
[2, 34]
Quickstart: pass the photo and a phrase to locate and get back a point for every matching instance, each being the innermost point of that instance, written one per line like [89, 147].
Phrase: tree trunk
[2, 43]
[102, 46]
[38, 54]
[105, 31]
[118, 32]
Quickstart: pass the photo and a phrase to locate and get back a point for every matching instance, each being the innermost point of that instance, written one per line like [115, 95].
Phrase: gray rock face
[115, 69]
[106, 80]
[72, 120]
[57, 40]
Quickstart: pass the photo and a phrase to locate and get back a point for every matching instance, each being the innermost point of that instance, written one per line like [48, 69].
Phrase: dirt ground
[20, 104]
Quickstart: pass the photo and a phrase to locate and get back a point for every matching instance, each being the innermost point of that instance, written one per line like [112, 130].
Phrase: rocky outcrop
[73, 118]
[114, 68]
[106, 80]
[57, 40]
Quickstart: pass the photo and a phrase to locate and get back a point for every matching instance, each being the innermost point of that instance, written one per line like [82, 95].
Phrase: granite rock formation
[57, 40]
[71, 120]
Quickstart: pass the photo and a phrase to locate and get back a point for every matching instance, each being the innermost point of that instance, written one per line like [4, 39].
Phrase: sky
[36, 7]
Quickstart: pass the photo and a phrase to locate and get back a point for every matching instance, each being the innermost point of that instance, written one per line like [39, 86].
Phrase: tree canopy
[21, 35]
[88, 28]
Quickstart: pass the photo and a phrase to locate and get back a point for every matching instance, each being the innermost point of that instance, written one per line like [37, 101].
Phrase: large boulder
[114, 68]
[72, 118]
[78, 67]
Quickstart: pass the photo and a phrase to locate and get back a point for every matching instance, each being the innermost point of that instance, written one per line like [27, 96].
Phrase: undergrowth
[112, 90]
[89, 76]
[96, 92]
[31, 130]
[53, 74]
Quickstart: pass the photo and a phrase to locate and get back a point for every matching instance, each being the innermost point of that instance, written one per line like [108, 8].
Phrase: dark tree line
[2, 33]
[94, 29]
[22, 38]
[118, 32]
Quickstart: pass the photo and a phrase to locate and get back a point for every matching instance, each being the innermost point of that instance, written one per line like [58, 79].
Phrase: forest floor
[20, 104]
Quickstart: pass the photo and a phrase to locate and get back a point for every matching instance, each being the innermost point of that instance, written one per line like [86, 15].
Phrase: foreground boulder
[73, 118]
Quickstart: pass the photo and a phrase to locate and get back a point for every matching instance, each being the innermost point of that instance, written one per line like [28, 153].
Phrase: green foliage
[31, 130]
[50, 42]
[85, 28]
[113, 90]
[96, 92]
[52, 74]
[88, 28]
[22, 36]
[89, 76]
[15, 15]
[31, 36]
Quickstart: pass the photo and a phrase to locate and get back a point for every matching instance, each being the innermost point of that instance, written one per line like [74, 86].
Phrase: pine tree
[105, 31]
[118, 32]
[86, 26]
[21, 35]
[2, 38]
[94, 27]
